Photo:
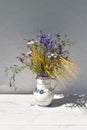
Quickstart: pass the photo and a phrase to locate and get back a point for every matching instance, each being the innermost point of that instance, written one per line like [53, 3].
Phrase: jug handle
[52, 88]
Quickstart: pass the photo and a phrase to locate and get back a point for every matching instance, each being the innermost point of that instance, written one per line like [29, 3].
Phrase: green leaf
[70, 42]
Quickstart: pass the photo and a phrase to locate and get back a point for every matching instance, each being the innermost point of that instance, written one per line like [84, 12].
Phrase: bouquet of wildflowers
[47, 56]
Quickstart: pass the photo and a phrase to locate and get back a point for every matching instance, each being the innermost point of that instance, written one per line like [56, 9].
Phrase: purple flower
[15, 66]
[41, 35]
[46, 42]
[20, 59]
[28, 55]
[60, 49]
[53, 42]
[42, 74]
[44, 38]
[49, 46]
[49, 54]
[49, 36]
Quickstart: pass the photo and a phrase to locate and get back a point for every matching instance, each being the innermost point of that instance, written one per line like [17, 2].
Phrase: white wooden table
[65, 113]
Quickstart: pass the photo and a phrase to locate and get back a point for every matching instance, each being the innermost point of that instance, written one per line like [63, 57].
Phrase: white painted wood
[17, 113]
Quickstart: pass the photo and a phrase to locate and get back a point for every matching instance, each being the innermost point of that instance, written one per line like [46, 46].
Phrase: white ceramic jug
[44, 92]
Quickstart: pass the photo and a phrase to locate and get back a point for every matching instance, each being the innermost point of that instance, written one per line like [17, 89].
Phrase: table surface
[67, 112]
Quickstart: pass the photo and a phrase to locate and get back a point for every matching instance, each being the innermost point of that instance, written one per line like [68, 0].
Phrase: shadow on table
[74, 100]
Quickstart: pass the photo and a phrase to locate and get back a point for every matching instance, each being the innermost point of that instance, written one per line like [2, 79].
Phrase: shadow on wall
[72, 101]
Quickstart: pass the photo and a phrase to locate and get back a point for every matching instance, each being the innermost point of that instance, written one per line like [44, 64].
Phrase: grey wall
[21, 19]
